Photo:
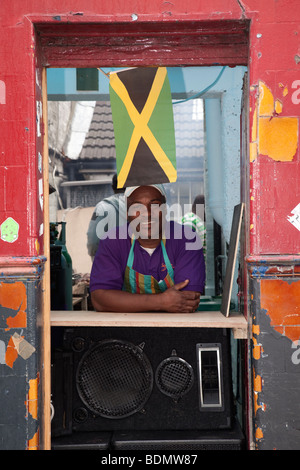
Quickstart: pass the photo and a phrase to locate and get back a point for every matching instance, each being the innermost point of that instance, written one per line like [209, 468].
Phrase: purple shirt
[184, 249]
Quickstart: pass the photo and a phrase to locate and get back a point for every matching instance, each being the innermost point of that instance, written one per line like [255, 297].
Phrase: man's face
[145, 212]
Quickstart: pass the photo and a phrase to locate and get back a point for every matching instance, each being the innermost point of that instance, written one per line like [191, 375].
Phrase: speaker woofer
[174, 376]
[114, 379]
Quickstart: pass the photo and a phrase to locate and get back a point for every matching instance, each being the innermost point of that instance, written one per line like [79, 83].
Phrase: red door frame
[186, 43]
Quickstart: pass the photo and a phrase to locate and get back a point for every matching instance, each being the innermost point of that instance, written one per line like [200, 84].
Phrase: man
[147, 266]
[108, 213]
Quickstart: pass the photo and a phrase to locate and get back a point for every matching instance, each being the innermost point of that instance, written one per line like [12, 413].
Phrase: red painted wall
[275, 187]
[274, 81]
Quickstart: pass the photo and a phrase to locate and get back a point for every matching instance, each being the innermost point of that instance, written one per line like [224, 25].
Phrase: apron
[138, 283]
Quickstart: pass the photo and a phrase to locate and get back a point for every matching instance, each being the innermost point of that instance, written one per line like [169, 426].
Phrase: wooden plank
[92, 56]
[192, 43]
[46, 329]
[58, 32]
[210, 319]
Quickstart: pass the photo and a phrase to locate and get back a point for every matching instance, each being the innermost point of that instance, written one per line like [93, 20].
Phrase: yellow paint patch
[32, 401]
[278, 138]
[253, 151]
[272, 135]
[33, 444]
[278, 107]
[255, 329]
[259, 434]
[256, 405]
[257, 383]
[285, 89]
[266, 101]
[254, 126]
[256, 352]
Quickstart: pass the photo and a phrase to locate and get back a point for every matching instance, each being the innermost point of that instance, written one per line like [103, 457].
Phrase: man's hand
[176, 300]
[172, 300]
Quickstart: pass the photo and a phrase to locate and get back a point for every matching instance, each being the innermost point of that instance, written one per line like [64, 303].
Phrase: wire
[205, 89]
[191, 97]
[104, 73]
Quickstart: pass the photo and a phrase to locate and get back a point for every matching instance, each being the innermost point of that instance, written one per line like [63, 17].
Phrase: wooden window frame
[109, 44]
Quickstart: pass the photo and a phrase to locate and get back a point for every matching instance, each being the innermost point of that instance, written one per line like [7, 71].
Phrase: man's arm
[172, 300]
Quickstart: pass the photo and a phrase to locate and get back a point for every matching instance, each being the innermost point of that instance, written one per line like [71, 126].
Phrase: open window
[206, 108]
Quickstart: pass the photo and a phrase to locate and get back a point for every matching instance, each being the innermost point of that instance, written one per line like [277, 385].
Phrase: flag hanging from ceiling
[143, 121]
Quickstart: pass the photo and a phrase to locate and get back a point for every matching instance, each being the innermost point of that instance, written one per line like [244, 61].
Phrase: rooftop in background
[188, 121]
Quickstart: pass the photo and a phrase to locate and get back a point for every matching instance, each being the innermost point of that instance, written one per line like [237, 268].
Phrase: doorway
[53, 57]
[82, 163]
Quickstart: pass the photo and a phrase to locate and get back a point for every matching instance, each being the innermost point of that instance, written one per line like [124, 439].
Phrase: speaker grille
[174, 377]
[114, 379]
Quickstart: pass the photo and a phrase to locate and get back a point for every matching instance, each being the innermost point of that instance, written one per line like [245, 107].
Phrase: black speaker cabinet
[140, 379]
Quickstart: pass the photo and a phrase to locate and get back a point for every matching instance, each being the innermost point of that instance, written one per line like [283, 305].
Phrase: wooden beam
[211, 319]
[46, 303]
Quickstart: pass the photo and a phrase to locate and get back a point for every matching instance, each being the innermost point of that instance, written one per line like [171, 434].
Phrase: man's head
[145, 207]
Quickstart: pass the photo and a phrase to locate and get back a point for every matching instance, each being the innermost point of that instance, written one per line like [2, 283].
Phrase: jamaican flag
[143, 121]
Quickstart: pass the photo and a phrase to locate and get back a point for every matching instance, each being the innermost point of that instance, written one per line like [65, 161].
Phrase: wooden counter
[209, 319]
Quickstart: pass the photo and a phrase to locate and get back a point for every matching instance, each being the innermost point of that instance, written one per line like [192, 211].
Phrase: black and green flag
[143, 121]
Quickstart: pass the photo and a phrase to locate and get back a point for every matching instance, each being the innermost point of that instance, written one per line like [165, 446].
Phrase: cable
[205, 89]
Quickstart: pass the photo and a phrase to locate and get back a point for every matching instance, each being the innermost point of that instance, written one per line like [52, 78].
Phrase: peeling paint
[41, 197]
[256, 348]
[39, 115]
[37, 246]
[265, 101]
[2, 92]
[259, 271]
[256, 329]
[11, 354]
[273, 135]
[2, 352]
[278, 106]
[14, 296]
[33, 443]
[9, 230]
[256, 352]
[274, 294]
[259, 434]
[24, 349]
[257, 383]
[258, 406]
[32, 400]
[297, 58]
[278, 138]
[294, 219]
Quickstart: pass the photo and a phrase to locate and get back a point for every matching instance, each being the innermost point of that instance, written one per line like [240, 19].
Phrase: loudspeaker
[221, 439]
[118, 379]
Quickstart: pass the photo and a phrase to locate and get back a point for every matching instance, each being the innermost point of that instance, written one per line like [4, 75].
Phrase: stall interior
[188, 383]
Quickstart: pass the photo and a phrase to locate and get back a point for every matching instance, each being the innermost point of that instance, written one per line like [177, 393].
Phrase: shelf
[211, 319]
